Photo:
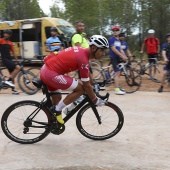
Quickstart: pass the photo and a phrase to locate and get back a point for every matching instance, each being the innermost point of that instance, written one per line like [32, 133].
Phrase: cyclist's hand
[100, 102]
[124, 58]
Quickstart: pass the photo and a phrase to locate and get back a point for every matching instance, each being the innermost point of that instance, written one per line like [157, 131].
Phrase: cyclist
[124, 44]
[166, 57]
[5, 47]
[53, 43]
[116, 55]
[152, 45]
[72, 59]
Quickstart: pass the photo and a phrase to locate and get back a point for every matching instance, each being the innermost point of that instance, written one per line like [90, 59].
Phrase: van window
[67, 30]
[47, 32]
[28, 35]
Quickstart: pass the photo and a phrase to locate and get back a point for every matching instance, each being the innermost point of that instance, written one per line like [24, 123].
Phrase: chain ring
[57, 128]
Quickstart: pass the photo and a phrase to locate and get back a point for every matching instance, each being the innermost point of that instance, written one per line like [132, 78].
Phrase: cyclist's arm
[13, 52]
[164, 55]
[117, 52]
[48, 50]
[159, 48]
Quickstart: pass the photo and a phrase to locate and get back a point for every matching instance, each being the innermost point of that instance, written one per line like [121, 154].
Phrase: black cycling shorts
[150, 56]
[115, 62]
[9, 63]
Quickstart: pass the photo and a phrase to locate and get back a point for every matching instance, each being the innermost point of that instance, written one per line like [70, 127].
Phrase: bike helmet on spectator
[117, 28]
[168, 35]
[53, 29]
[7, 31]
[151, 31]
[99, 41]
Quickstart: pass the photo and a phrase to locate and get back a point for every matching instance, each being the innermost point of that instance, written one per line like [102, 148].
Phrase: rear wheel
[111, 117]
[130, 81]
[19, 127]
[25, 82]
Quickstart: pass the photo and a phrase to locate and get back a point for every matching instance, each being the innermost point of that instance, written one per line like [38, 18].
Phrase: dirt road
[142, 144]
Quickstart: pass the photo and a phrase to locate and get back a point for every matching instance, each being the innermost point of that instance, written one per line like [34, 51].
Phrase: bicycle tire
[98, 75]
[113, 132]
[95, 64]
[25, 84]
[136, 66]
[132, 82]
[13, 109]
[159, 67]
[35, 71]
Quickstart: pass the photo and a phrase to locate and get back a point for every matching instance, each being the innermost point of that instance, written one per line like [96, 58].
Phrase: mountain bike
[29, 121]
[130, 80]
[142, 68]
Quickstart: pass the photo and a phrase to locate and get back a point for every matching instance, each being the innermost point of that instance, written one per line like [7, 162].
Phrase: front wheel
[20, 127]
[111, 118]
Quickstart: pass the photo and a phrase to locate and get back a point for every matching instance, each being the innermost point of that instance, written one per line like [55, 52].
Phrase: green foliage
[17, 9]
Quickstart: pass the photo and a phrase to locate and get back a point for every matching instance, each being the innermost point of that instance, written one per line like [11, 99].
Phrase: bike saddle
[37, 82]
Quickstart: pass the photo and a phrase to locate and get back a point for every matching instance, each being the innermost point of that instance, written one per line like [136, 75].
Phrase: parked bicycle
[30, 121]
[148, 68]
[130, 79]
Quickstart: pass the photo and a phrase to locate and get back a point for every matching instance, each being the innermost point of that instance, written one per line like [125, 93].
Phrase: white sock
[60, 106]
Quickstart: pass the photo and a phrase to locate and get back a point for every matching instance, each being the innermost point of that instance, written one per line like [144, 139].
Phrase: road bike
[29, 121]
[148, 68]
[130, 80]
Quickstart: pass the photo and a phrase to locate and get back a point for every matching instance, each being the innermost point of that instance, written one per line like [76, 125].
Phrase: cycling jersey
[53, 43]
[116, 43]
[78, 38]
[152, 45]
[5, 48]
[124, 46]
[68, 60]
[166, 47]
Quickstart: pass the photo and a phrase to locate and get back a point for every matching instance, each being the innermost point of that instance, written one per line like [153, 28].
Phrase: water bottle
[69, 108]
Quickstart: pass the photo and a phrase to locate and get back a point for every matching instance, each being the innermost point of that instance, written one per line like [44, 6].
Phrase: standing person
[166, 57]
[53, 44]
[116, 55]
[78, 39]
[152, 45]
[124, 45]
[5, 47]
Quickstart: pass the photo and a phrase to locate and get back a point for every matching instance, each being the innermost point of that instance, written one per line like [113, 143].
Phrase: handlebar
[98, 87]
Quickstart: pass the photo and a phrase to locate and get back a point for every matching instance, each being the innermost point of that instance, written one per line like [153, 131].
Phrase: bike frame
[48, 104]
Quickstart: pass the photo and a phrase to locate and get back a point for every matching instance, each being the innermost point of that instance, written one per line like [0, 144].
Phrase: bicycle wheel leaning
[130, 81]
[25, 82]
[98, 75]
[112, 120]
[16, 124]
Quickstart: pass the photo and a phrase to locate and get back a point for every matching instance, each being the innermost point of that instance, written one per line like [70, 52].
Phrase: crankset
[57, 128]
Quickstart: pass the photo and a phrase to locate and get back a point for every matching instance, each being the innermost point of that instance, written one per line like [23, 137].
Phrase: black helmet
[168, 35]
[122, 34]
[7, 31]
[53, 29]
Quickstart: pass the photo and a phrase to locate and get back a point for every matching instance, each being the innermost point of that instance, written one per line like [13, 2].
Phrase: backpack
[167, 49]
[70, 42]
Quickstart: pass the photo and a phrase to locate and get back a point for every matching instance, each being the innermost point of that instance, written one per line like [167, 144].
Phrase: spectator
[166, 57]
[53, 43]
[5, 47]
[116, 55]
[152, 45]
[124, 45]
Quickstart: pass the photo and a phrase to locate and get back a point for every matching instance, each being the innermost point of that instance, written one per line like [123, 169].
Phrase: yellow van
[29, 35]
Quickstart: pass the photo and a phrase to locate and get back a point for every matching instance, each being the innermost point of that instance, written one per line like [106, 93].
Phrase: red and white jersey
[68, 60]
